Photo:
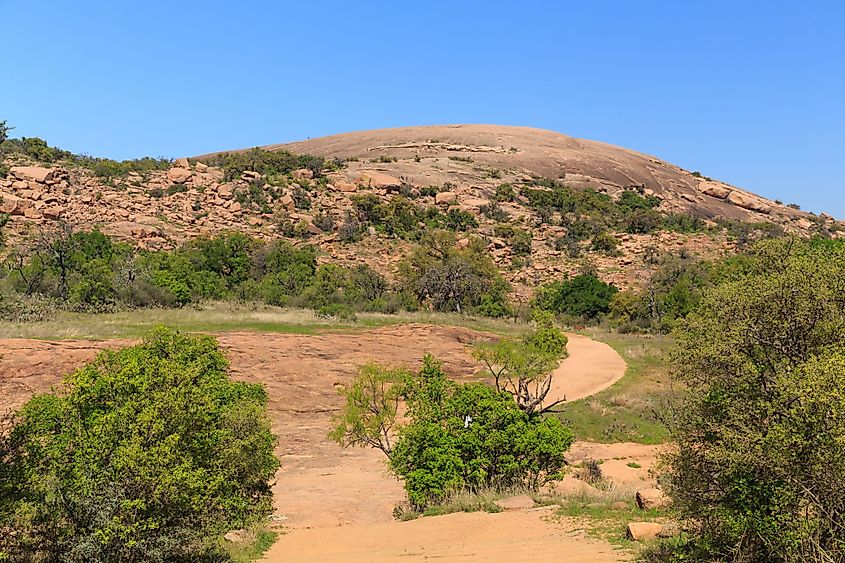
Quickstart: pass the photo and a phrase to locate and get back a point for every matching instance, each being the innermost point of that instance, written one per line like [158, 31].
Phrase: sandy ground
[591, 367]
[336, 504]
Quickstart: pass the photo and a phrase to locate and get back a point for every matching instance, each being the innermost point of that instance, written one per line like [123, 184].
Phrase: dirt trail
[336, 504]
[525, 535]
[592, 366]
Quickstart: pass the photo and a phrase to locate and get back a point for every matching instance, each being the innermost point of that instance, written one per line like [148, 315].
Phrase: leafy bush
[582, 296]
[504, 193]
[518, 239]
[146, 454]
[460, 436]
[606, 243]
[266, 163]
[451, 278]
[759, 468]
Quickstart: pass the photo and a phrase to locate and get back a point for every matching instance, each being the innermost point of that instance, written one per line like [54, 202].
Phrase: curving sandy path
[591, 366]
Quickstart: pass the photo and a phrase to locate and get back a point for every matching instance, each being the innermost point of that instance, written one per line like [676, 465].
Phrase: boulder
[473, 202]
[714, 189]
[225, 191]
[287, 201]
[236, 536]
[303, 174]
[519, 502]
[179, 175]
[12, 205]
[201, 166]
[639, 531]
[747, 201]
[54, 212]
[652, 498]
[445, 198]
[32, 173]
[378, 180]
[181, 163]
[804, 224]
[344, 187]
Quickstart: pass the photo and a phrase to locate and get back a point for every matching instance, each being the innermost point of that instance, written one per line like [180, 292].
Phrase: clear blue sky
[749, 92]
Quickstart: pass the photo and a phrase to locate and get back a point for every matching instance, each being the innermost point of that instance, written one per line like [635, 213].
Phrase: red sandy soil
[336, 504]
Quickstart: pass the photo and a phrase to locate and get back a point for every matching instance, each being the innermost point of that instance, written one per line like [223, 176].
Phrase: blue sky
[749, 92]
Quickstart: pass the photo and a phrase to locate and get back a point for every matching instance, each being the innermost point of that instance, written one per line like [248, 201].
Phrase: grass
[230, 316]
[606, 514]
[461, 501]
[260, 540]
[629, 410]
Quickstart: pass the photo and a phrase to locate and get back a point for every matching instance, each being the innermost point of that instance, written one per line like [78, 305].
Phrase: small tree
[4, 131]
[452, 278]
[369, 416]
[523, 368]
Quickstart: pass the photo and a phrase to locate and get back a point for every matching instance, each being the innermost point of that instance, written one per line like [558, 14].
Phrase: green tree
[145, 454]
[369, 416]
[459, 436]
[4, 131]
[760, 459]
[523, 368]
[451, 278]
[582, 296]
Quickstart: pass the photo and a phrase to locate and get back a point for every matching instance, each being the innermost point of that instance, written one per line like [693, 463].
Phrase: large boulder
[714, 189]
[12, 205]
[344, 187]
[181, 163]
[639, 531]
[303, 174]
[33, 173]
[652, 498]
[179, 175]
[445, 198]
[747, 201]
[378, 180]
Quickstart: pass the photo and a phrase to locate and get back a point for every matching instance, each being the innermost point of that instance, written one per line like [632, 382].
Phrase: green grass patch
[231, 316]
[261, 540]
[608, 519]
[629, 410]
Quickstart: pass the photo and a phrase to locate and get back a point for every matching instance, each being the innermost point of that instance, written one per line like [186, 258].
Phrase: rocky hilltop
[460, 167]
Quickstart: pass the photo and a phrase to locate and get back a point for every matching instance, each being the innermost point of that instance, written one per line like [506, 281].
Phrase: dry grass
[228, 316]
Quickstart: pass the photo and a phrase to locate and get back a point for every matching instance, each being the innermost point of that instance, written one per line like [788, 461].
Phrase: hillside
[522, 190]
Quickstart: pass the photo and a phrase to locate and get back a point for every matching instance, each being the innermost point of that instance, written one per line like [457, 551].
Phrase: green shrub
[518, 239]
[460, 436]
[759, 465]
[606, 243]
[148, 453]
[266, 163]
[582, 296]
[504, 193]
[470, 436]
